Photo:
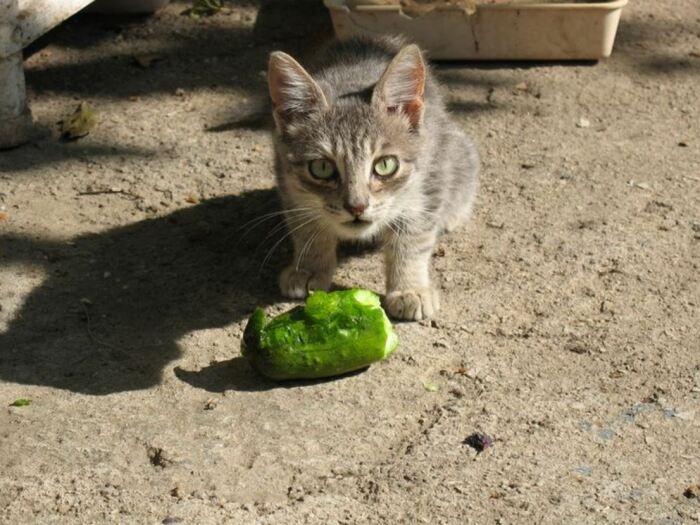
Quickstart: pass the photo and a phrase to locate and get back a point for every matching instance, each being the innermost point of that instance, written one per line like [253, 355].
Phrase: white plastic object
[522, 31]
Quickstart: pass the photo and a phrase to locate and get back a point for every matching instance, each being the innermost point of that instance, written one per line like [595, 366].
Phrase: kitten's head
[348, 157]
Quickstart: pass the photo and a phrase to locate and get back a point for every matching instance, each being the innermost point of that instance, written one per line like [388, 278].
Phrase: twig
[108, 192]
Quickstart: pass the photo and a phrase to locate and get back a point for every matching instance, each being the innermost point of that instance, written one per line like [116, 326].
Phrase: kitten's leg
[313, 264]
[410, 295]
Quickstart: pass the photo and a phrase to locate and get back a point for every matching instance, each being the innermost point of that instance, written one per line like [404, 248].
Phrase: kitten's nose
[355, 209]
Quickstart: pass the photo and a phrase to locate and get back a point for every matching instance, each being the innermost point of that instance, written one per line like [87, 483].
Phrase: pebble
[479, 441]
[583, 123]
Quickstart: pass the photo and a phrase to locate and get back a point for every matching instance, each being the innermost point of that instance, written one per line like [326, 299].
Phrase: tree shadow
[470, 106]
[663, 65]
[113, 305]
[656, 46]
[255, 116]
[47, 151]
[193, 53]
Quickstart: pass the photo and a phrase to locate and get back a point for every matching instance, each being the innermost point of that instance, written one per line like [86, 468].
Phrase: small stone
[210, 404]
[577, 347]
[606, 434]
[583, 123]
[479, 441]
[693, 491]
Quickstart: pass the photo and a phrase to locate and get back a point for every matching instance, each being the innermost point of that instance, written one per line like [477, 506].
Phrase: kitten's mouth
[358, 223]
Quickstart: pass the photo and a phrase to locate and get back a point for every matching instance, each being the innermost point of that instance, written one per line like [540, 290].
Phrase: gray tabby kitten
[365, 150]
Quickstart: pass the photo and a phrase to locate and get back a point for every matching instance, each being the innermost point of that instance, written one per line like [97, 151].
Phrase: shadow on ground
[192, 54]
[236, 374]
[655, 46]
[113, 305]
[48, 150]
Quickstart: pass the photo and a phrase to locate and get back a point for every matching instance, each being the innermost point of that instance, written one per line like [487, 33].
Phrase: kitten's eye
[321, 169]
[386, 166]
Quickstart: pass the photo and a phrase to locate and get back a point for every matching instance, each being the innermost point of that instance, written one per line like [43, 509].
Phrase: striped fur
[365, 99]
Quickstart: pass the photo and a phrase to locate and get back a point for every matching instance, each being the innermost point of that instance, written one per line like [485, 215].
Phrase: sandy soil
[569, 331]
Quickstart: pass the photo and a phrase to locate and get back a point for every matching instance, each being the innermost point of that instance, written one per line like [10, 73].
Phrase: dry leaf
[192, 199]
[3, 216]
[80, 123]
[431, 387]
[202, 8]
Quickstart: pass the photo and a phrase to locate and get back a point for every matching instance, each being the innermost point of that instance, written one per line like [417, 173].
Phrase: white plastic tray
[566, 31]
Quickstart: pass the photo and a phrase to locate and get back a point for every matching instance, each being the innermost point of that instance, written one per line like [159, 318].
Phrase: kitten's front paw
[412, 305]
[297, 284]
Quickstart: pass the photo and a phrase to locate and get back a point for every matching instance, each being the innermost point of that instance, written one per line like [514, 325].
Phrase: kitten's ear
[292, 90]
[402, 85]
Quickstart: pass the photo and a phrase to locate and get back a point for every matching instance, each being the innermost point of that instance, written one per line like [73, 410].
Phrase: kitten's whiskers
[290, 232]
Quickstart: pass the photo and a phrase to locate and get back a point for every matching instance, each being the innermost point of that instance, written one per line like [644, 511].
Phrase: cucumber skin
[332, 334]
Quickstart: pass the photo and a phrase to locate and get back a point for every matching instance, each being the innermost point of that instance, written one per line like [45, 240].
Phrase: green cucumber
[331, 334]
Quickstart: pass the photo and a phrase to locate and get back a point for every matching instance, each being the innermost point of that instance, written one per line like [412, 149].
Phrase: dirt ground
[569, 331]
